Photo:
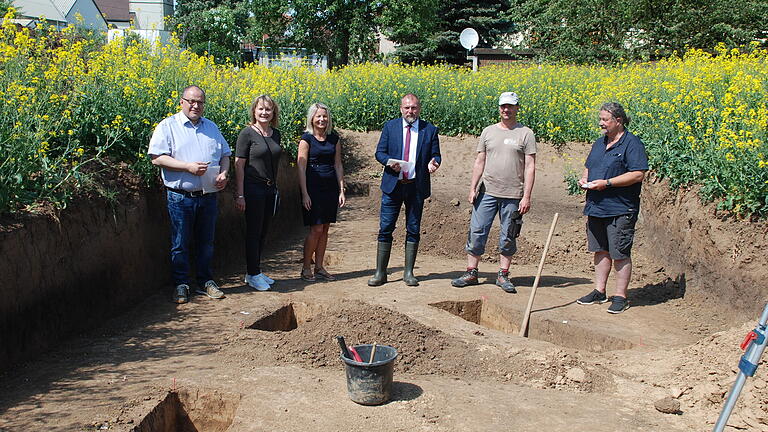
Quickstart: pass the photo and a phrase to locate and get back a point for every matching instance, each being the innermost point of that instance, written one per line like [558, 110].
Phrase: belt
[267, 182]
[406, 181]
[189, 194]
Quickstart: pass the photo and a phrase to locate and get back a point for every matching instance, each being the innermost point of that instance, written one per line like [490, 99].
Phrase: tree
[268, 22]
[488, 18]
[5, 6]
[410, 23]
[428, 30]
[568, 29]
[670, 26]
[582, 31]
[343, 30]
[213, 26]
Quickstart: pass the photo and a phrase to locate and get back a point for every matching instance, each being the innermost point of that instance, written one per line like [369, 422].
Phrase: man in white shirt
[194, 161]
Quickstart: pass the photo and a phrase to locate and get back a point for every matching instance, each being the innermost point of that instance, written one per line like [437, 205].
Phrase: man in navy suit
[409, 149]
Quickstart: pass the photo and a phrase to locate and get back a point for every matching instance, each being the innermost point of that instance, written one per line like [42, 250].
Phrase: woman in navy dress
[321, 178]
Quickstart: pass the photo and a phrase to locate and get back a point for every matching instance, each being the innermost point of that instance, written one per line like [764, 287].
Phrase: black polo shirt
[628, 154]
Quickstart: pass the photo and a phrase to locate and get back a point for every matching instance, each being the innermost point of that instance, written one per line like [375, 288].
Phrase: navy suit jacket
[391, 147]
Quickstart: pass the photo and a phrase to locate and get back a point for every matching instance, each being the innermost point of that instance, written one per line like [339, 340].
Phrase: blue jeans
[390, 210]
[485, 209]
[192, 219]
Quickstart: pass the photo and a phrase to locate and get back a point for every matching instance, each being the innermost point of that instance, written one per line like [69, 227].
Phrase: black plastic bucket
[370, 383]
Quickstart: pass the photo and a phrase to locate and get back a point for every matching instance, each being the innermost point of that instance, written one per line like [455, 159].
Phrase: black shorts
[612, 234]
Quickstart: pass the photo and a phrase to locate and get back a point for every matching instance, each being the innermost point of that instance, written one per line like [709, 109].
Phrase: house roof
[114, 10]
[38, 8]
[63, 5]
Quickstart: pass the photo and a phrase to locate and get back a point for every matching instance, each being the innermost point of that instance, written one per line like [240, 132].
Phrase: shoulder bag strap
[271, 157]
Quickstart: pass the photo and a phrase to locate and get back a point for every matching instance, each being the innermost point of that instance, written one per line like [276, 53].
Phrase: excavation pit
[287, 318]
[496, 317]
[191, 411]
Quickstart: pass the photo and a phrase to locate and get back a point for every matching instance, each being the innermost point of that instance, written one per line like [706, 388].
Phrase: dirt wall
[63, 275]
[721, 257]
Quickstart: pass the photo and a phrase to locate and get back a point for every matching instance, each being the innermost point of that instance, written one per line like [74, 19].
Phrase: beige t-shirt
[505, 159]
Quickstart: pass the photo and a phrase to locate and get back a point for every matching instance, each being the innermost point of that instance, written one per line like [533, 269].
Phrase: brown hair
[266, 100]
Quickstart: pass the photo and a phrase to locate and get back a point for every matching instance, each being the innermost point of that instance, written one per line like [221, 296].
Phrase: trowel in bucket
[343, 346]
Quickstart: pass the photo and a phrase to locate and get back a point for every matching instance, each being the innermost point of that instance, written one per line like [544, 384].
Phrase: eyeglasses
[194, 102]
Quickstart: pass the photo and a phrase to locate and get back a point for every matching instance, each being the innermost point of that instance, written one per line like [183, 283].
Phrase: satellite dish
[469, 38]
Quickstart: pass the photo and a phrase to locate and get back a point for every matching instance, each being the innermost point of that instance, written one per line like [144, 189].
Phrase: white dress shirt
[179, 138]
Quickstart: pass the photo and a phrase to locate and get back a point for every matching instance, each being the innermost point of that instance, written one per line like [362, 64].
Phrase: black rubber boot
[411, 250]
[382, 260]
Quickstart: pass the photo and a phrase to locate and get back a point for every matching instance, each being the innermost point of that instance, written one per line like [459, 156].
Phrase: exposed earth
[268, 361]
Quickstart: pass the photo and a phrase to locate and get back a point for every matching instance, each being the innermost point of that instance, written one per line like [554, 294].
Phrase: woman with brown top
[257, 158]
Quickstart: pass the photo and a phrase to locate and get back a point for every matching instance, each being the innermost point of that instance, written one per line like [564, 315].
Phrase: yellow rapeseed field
[67, 103]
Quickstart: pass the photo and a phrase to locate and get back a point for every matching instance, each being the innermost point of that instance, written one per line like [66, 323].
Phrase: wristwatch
[608, 183]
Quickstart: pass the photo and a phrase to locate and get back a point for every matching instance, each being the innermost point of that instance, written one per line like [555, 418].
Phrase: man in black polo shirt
[614, 173]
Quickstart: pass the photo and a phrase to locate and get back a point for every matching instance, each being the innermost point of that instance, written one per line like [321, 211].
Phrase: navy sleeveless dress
[322, 185]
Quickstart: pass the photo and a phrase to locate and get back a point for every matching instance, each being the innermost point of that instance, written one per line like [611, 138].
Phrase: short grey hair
[617, 111]
[190, 87]
[313, 109]
[412, 96]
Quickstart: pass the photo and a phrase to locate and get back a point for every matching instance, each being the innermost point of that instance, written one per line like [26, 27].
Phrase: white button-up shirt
[179, 138]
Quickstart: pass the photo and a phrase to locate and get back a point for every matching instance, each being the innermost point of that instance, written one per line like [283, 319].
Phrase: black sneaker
[594, 297]
[468, 278]
[181, 293]
[502, 280]
[618, 305]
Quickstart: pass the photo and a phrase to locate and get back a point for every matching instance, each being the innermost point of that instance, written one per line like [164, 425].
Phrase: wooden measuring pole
[527, 316]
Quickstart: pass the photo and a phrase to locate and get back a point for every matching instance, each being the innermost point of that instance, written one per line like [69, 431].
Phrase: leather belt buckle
[406, 181]
[193, 194]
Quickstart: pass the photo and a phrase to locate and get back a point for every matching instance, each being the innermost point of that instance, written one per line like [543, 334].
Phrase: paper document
[209, 179]
[404, 165]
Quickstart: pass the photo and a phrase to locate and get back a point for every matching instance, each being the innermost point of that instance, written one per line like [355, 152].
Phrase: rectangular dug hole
[194, 410]
[493, 316]
[288, 317]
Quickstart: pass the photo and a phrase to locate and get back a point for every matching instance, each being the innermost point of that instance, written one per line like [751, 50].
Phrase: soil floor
[269, 361]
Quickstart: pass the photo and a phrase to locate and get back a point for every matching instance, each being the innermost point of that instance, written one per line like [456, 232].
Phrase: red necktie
[407, 148]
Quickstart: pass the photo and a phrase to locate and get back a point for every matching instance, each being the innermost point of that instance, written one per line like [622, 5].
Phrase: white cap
[508, 98]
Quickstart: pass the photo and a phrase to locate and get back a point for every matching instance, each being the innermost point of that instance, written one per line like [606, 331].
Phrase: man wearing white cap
[502, 181]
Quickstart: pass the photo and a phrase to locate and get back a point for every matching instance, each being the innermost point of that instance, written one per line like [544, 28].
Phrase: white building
[149, 14]
[145, 18]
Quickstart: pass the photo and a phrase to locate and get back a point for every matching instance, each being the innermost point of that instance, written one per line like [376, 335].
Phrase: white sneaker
[256, 283]
[266, 278]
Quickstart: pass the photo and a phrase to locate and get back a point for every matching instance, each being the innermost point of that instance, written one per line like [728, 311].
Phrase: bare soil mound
[422, 350]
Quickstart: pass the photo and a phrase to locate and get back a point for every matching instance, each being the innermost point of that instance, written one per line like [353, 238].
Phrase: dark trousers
[259, 207]
[390, 210]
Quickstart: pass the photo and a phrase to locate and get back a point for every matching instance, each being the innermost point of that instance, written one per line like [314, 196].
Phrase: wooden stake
[527, 316]
[373, 352]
